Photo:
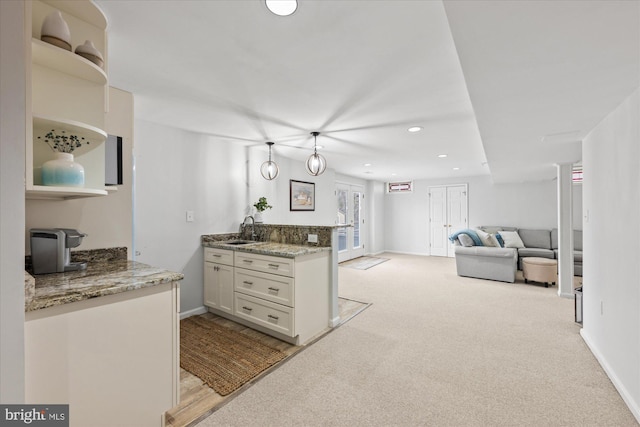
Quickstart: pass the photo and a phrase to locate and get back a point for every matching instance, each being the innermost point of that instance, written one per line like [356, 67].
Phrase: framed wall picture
[302, 195]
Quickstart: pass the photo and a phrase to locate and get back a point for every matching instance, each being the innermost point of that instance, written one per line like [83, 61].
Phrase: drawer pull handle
[247, 308]
[246, 282]
[217, 255]
[276, 266]
[273, 317]
[247, 261]
[274, 289]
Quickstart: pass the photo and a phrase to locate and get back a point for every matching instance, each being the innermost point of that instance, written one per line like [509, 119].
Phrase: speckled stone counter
[99, 279]
[264, 248]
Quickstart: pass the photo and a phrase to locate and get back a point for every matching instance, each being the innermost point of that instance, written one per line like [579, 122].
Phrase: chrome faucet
[253, 222]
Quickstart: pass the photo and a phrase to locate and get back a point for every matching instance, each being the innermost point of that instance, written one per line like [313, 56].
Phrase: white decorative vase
[89, 51]
[257, 217]
[63, 171]
[56, 31]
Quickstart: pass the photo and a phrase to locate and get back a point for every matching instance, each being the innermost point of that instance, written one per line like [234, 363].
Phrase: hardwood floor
[197, 400]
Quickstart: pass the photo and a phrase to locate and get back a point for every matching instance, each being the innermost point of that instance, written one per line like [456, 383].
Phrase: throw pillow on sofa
[465, 240]
[511, 239]
[487, 239]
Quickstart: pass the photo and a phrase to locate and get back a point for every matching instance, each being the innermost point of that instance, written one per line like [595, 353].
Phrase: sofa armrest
[486, 251]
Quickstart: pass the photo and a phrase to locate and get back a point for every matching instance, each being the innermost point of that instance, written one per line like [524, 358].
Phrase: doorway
[448, 212]
[351, 215]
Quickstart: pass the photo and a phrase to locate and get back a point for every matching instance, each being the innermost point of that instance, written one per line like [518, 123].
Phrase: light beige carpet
[436, 349]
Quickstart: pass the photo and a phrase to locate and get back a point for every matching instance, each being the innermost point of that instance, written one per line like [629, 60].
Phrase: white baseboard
[374, 253]
[195, 311]
[624, 393]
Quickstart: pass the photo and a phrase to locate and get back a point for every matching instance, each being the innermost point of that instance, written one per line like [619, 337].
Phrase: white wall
[611, 197]
[14, 39]
[107, 220]
[277, 191]
[525, 205]
[178, 171]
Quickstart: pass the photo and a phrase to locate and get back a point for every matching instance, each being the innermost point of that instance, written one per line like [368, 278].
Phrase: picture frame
[302, 195]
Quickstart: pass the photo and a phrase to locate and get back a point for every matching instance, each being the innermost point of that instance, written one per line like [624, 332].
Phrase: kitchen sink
[239, 242]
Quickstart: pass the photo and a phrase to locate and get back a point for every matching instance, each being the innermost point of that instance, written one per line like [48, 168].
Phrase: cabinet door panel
[211, 298]
[225, 286]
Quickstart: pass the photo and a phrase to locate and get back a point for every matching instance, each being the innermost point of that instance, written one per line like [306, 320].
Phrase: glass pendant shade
[269, 169]
[316, 164]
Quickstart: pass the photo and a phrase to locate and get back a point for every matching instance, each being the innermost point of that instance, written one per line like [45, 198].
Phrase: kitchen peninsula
[279, 288]
[89, 333]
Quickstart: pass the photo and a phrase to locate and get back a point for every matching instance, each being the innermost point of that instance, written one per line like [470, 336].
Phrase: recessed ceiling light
[367, 164]
[442, 156]
[282, 7]
[415, 129]
[456, 169]
[394, 174]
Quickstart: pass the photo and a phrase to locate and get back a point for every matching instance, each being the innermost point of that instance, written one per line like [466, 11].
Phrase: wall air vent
[400, 187]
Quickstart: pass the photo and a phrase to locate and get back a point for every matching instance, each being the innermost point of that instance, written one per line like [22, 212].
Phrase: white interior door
[438, 224]
[448, 212]
[456, 212]
[351, 214]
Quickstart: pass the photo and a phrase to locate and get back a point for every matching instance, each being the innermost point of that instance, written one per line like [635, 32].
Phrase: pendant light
[316, 164]
[269, 169]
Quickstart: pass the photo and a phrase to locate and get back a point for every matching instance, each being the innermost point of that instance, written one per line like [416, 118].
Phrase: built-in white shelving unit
[69, 93]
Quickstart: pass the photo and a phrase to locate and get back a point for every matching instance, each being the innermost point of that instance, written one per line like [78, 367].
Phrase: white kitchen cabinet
[113, 359]
[218, 279]
[287, 298]
[68, 93]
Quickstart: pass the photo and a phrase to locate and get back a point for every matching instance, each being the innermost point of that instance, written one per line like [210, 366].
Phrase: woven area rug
[222, 358]
[363, 262]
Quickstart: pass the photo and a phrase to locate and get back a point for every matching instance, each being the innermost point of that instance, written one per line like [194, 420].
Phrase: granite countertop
[99, 279]
[285, 250]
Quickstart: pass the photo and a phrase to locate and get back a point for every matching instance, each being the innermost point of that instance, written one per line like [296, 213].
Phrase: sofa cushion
[511, 239]
[535, 238]
[577, 255]
[496, 228]
[536, 252]
[577, 239]
[465, 240]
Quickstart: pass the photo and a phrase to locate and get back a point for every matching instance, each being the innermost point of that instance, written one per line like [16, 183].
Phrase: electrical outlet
[312, 238]
[190, 216]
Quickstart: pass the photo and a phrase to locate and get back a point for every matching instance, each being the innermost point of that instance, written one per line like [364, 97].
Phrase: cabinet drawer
[221, 256]
[278, 289]
[273, 316]
[265, 263]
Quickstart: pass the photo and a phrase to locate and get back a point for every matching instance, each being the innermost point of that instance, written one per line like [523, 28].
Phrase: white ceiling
[487, 80]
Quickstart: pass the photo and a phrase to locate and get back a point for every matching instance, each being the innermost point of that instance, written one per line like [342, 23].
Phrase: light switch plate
[312, 238]
[190, 216]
